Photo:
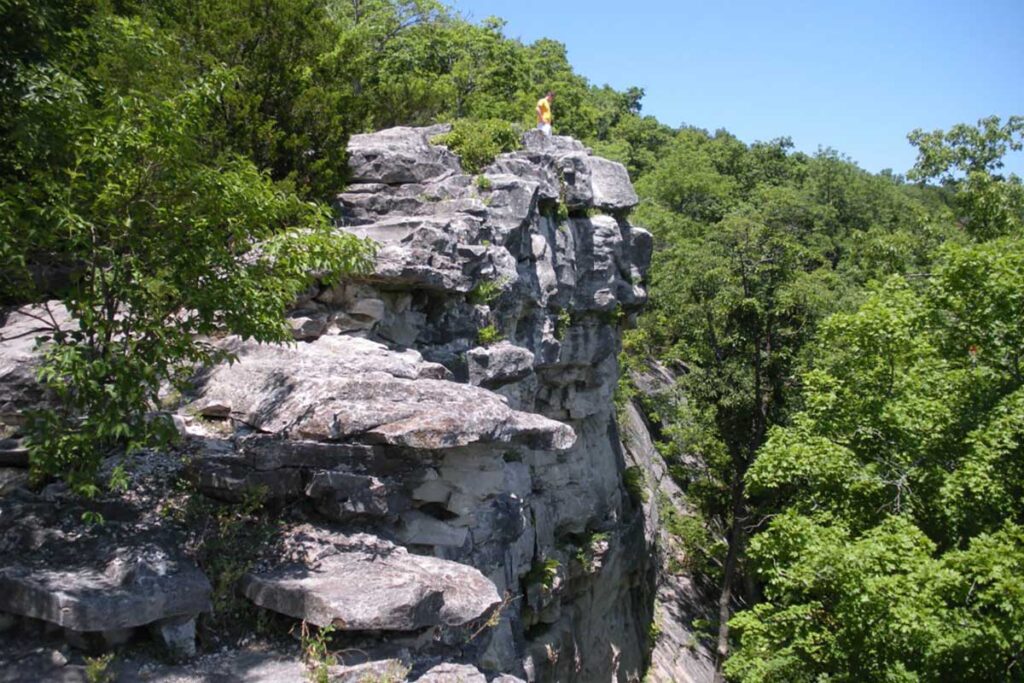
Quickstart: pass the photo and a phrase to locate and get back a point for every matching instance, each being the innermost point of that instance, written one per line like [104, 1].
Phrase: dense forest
[849, 419]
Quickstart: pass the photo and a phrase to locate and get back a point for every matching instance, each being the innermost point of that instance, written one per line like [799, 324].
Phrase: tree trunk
[735, 544]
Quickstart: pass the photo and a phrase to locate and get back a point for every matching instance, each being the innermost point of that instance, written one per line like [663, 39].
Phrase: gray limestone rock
[679, 653]
[127, 592]
[20, 330]
[338, 388]
[377, 587]
[304, 327]
[127, 573]
[400, 155]
[231, 479]
[342, 496]
[12, 478]
[178, 635]
[610, 185]
[452, 673]
[385, 670]
[418, 528]
[389, 416]
[535, 141]
[501, 363]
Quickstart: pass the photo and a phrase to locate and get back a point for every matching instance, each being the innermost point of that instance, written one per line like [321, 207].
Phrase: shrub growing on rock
[478, 142]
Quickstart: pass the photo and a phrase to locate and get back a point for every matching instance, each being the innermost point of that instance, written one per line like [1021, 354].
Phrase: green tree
[757, 245]
[167, 239]
[967, 159]
[903, 476]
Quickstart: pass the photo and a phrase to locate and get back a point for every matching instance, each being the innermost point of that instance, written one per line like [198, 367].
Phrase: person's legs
[546, 127]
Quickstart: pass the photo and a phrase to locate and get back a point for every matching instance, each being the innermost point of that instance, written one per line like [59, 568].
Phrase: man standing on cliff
[544, 112]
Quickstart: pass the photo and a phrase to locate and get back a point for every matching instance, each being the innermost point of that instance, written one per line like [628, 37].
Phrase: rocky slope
[679, 652]
[440, 442]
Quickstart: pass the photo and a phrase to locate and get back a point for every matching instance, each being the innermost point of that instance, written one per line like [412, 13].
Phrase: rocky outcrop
[441, 436]
[99, 584]
[679, 652]
[362, 583]
[343, 389]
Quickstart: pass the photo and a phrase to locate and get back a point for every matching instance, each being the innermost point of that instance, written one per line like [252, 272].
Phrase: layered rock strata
[446, 423]
[680, 652]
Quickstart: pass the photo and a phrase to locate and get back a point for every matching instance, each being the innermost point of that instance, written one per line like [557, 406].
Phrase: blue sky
[855, 75]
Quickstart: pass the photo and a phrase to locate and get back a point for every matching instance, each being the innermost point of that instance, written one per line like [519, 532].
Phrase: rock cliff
[441, 439]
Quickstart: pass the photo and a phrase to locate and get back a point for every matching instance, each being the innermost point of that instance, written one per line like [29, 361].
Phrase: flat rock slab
[123, 574]
[375, 589]
[346, 388]
[500, 363]
[122, 595]
[452, 673]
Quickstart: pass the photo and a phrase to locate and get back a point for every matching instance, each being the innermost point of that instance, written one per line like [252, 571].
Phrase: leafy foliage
[164, 238]
[489, 335]
[757, 246]
[315, 643]
[478, 142]
[968, 159]
[896, 551]
[543, 573]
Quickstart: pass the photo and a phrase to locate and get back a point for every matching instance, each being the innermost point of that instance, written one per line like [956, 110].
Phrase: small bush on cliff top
[478, 142]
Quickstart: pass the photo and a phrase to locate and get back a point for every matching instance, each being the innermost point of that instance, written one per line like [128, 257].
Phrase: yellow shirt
[544, 107]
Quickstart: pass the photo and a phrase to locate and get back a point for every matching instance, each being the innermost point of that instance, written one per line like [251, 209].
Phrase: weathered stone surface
[232, 479]
[305, 327]
[610, 185]
[374, 585]
[338, 388]
[420, 529]
[590, 181]
[400, 155]
[535, 141]
[501, 363]
[123, 594]
[452, 673]
[342, 496]
[13, 453]
[178, 635]
[19, 359]
[118, 576]
[678, 654]
[390, 417]
[12, 478]
[385, 670]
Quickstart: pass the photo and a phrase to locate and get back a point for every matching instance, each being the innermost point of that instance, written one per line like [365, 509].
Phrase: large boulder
[367, 584]
[344, 388]
[501, 363]
[103, 579]
[400, 155]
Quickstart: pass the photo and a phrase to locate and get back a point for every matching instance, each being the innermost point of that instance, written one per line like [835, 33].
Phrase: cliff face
[442, 435]
[679, 653]
[511, 462]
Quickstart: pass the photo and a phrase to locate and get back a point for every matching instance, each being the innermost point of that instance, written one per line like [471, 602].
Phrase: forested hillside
[849, 419]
